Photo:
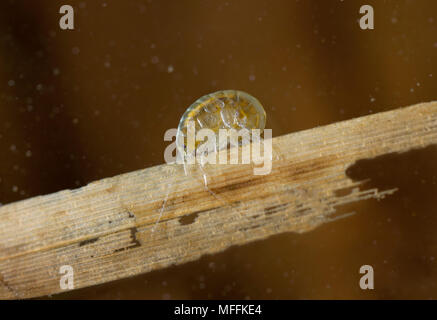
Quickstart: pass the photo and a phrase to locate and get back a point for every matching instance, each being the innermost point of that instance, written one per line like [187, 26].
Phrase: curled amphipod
[227, 109]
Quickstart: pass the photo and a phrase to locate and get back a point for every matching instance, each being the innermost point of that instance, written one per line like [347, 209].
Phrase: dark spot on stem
[188, 219]
[134, 241]
[274, 209]
[89, 241]
[130, 214]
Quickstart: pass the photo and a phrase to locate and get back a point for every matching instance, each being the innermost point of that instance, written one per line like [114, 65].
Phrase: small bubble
[170, 69]
[56, 71]
[75, 50]
[14, 189]
[11, 83]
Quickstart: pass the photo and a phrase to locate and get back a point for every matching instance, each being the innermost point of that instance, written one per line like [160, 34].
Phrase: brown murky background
[76, 106]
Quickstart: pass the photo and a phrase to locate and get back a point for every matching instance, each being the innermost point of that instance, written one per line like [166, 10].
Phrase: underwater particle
[56, 71]
[11, 83]
[252, 77]
[75, 50]
[28, 153]
[14, 189]
[154, 60]
[170, 69]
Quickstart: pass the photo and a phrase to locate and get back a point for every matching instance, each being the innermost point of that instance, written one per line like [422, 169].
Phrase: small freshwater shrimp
[227, 109]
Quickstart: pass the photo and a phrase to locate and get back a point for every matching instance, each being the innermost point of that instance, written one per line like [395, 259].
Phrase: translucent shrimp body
[227, 109]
